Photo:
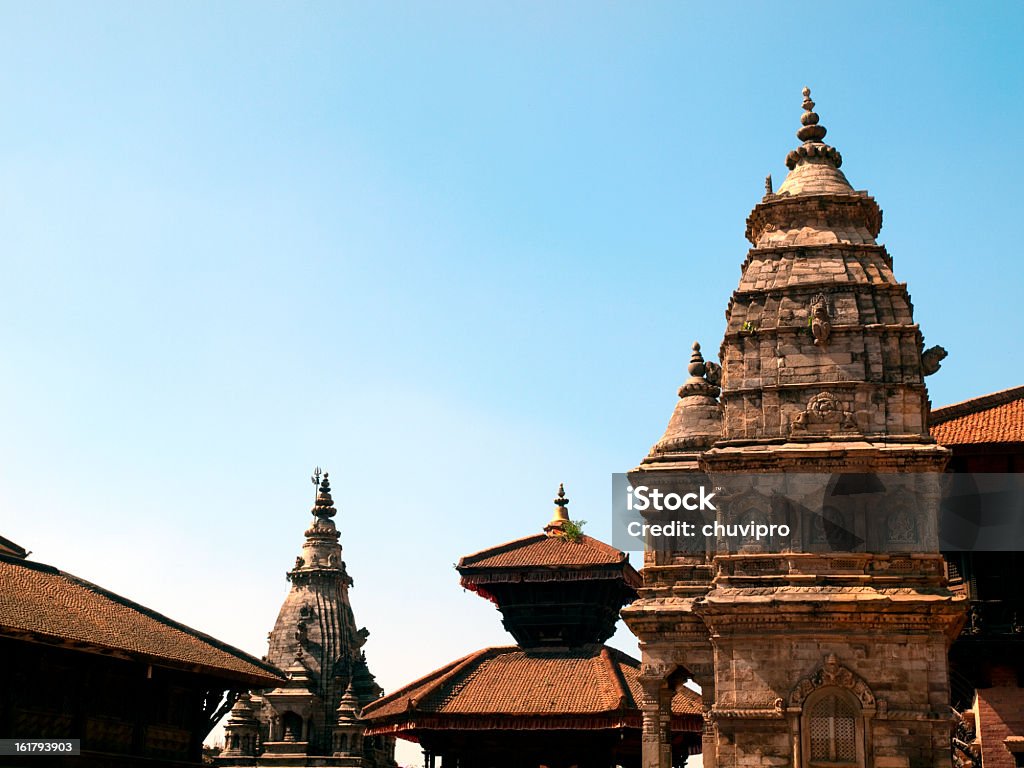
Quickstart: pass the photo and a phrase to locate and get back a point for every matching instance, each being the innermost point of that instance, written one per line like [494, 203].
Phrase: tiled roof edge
[159, 617]
[471, 561]
[432, 680]
[467, 560]
[974, 405]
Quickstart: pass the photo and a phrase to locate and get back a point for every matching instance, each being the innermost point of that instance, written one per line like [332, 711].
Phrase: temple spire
[561, 514]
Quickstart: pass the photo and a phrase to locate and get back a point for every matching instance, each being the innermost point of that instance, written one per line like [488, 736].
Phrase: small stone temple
[558, 698]
[807, 656]
[312, 719]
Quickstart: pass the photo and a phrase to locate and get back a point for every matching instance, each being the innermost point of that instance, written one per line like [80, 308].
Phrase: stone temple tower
[313, 719]
[818, 650]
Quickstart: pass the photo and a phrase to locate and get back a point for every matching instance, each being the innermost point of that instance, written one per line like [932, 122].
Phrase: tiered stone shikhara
[804, 657]
[314, 718]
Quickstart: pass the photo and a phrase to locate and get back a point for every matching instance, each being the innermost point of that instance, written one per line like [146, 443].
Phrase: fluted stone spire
[561, 514]
[316, 639]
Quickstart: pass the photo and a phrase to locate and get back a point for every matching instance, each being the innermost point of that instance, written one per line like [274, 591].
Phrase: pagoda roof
[545, 551]
[40, 603]
[588, 687]
[994, 418]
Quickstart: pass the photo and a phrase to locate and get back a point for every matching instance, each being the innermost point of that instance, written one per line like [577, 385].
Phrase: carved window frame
[841, 694]
[831, 678]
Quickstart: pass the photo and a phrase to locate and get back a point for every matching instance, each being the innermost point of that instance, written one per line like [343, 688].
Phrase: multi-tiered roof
[560, 694]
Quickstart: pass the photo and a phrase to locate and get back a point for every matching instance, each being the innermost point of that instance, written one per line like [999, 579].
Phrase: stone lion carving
[931, 359]
[713, 374]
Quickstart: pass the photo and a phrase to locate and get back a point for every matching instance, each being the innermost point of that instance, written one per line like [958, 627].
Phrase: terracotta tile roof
[41, 603]
[994, 418]
[506, 683]
[542, 550]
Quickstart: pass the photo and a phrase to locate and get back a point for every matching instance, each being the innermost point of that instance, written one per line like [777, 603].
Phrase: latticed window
[832, 730]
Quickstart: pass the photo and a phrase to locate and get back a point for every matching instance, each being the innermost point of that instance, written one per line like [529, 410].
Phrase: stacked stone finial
[810, 130]
[811, 134]
[696, 366]
[703, 376]
[561, 515]
[324, 506]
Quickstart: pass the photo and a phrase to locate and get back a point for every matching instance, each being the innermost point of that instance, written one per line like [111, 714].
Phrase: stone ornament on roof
[697, 419]
[811, 133]
[704, 376]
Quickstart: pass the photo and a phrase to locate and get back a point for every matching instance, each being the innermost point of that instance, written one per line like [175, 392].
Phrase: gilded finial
[561, 515]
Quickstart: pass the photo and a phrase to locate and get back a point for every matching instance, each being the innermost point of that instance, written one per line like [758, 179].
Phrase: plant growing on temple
[573, 529]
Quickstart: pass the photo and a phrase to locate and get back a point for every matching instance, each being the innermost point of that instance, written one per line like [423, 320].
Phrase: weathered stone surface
[822, 372]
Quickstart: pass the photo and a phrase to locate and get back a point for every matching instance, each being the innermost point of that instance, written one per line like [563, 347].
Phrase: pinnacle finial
[809, 128]
[811, 134]
[561, 500]
[696, 366]
[561, 515]
[324, 505]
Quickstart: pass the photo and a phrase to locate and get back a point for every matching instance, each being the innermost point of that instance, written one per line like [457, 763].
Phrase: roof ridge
[625, 698]
[499, 548]
[974, 405]
[149, 612]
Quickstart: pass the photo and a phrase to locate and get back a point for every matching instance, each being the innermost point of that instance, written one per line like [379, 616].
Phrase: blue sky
[455, 253]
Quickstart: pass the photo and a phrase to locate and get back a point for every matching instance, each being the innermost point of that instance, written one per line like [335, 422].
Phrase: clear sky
[454, 253]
